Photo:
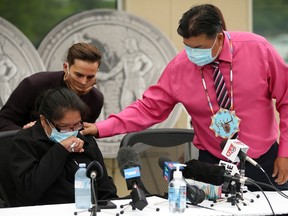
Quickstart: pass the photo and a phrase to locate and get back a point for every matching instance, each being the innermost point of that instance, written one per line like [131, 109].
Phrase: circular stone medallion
[18, 59]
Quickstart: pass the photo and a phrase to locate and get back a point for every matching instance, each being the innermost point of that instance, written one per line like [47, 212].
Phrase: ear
[43, 121]
[65, 64]
[66, 68]
[220, 38]
[45, 125]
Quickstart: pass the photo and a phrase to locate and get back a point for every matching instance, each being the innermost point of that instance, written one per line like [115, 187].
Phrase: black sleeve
[35, 166]
[19, 108]
[16, 112]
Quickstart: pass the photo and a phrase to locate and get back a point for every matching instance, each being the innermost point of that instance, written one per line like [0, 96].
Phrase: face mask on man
[200, 56]
[77, 86]
[59, 137]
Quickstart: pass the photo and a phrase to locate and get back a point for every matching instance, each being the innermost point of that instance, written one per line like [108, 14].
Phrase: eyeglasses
[61, 129]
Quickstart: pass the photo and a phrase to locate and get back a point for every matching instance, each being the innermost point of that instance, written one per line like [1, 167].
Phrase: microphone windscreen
[162, 160]
[204, 172]
[94, 166]
[127, 157]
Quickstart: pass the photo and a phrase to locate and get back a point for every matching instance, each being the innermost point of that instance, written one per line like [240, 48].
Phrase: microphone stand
[243, 188]
[235, 189]
[242, 174]
[94, 209]
[138, 201]
[234, 198]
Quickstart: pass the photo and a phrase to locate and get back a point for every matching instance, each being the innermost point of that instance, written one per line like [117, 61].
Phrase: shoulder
[45, 76]
[23, 137]
[42, 80]
[96, 92]
[241, 36]
[28, 133]
[90, 142]
[180, 58]
[93, 94]
[88, 138]
[250, 43]
[180, 64]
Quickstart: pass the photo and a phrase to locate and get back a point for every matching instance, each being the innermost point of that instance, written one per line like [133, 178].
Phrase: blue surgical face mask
[58, 137]
[199, 56]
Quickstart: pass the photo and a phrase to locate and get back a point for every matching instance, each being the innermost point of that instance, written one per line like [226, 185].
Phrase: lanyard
[231, 81]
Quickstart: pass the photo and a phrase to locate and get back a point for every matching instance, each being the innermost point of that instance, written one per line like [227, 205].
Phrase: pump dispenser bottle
[177, 192]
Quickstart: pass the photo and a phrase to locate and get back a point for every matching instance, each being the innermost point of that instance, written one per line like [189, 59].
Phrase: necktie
[220, 87]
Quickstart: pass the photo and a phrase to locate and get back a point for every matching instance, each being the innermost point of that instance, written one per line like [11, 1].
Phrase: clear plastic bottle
[82, 188]
[177, 192]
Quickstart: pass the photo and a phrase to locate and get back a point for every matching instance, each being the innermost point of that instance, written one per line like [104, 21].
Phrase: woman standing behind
[44, 157]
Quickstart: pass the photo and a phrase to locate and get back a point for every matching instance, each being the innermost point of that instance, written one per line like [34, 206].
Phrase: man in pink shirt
[254, 74]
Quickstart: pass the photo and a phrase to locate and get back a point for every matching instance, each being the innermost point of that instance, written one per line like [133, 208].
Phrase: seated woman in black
[43, 162]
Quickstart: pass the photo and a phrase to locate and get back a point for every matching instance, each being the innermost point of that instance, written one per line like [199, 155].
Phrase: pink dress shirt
[259, 75]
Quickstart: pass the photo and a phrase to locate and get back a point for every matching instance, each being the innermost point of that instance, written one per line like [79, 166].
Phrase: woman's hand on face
[89, 128]
[73, 144]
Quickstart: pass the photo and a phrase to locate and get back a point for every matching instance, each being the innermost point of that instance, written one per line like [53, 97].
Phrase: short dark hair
[202, 19]
[83, 51]
[53, 103]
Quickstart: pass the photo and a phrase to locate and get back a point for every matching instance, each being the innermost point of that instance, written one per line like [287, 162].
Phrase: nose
[83, 80]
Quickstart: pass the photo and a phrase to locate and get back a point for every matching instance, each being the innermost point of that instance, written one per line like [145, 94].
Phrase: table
[258, 207]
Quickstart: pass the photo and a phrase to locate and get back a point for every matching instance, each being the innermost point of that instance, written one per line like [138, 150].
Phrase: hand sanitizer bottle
[177, 192]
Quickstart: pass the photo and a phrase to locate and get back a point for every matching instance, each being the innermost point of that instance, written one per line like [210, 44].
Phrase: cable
[272, 186]
[256, 184]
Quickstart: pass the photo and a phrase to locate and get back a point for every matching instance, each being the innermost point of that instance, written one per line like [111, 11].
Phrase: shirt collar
[226, 54]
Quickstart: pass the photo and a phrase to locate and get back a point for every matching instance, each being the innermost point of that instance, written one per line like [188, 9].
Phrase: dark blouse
[43, 171]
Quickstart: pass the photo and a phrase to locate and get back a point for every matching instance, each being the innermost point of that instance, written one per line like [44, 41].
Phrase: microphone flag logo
[169, 168]
[230, 168]
[232, 148]
[132, 172]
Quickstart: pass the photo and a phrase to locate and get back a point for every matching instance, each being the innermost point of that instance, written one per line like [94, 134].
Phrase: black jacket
[19, 108]
[43, 171]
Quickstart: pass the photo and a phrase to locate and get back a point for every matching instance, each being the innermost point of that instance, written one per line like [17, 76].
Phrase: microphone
[229, 167]
[94, 170]
[234, 148]
[210, 173]
[194, 194]
[168, 167]
[129, 163]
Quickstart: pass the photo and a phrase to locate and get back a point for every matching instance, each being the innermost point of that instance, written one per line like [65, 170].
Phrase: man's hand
[281, 170]
[89, 128]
